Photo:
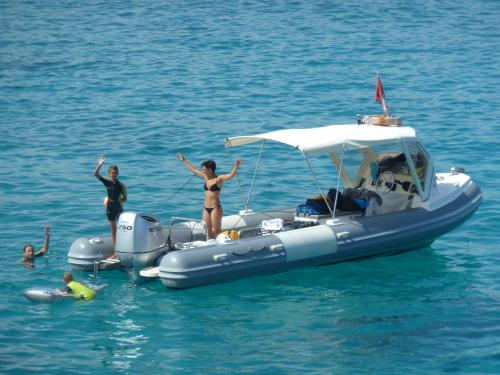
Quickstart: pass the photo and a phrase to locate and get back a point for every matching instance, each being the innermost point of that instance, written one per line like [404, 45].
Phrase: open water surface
[139, 81]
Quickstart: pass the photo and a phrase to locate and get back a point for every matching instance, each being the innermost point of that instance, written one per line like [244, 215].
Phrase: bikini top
[213, 187]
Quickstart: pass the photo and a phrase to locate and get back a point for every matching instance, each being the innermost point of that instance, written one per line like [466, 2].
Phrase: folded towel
[272, 225]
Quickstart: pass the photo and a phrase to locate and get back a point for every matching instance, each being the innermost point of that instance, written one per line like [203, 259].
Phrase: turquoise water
[139, 81]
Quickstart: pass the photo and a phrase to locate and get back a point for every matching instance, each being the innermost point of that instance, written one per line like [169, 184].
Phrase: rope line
[182, 187]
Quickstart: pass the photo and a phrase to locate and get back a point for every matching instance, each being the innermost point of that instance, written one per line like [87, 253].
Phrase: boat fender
[42, 295]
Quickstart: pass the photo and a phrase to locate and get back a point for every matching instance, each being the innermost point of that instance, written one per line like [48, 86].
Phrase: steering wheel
[385, 182]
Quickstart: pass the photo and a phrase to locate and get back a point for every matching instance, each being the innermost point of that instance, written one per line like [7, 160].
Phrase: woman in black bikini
[212, 209]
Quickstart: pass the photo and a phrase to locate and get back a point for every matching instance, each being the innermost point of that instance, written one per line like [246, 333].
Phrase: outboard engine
[139, 240]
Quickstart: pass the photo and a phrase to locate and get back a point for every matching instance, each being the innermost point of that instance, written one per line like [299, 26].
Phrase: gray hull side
[353, 239]
[219, 263]
[406, 230]
[84, 252]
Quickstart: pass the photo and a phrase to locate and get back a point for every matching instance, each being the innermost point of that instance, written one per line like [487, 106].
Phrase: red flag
[380, 96]
[379, 91]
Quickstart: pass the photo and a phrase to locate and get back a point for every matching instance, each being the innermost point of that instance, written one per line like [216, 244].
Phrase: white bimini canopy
[332, 138]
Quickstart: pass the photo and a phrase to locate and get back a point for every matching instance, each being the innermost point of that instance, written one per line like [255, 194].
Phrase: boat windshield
[420, 161]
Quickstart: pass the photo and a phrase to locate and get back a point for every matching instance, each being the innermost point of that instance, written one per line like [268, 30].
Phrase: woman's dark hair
[209, 164]
[28, 245]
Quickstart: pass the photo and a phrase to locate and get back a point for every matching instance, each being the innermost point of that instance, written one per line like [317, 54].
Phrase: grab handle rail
[175, 219]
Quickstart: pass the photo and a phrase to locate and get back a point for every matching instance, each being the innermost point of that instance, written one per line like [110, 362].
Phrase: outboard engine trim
[139, 240]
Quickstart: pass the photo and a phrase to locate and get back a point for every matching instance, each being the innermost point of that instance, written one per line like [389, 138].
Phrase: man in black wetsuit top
[117, 193]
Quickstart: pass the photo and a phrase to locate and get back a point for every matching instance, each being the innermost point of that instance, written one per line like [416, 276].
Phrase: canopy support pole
[317, 183]
[338, 182]
[255, 174]
[237, 178]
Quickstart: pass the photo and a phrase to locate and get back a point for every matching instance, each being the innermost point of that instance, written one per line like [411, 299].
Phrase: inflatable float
[42, 294]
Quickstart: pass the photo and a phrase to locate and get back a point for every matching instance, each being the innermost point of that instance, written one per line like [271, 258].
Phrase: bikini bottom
[209, 210]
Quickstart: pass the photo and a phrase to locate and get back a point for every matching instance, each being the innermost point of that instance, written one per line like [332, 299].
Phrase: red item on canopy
[379, 91]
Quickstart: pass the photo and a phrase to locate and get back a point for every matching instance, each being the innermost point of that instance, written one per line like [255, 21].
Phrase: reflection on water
[125, 336]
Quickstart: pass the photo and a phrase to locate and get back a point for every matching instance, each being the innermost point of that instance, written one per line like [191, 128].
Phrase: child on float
[75, 289]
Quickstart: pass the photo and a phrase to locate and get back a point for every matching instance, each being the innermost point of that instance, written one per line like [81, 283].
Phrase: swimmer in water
[29, 254]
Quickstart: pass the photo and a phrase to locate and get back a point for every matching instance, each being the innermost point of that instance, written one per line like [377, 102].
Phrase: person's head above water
[29, 252]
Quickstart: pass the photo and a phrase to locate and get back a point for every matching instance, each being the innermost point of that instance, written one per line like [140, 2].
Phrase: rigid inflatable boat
[387, 199]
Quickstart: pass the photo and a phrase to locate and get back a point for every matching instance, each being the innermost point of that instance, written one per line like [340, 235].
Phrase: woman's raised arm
[190, 166]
